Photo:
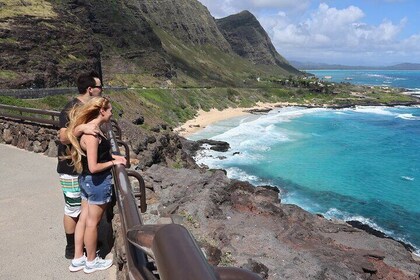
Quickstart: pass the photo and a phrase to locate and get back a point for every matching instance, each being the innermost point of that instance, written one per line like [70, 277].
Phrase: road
[32, 238]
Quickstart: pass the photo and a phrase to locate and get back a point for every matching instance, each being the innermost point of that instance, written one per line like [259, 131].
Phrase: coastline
[205, 118]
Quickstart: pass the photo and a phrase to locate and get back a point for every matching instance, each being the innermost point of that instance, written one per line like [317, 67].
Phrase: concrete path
[32, 238]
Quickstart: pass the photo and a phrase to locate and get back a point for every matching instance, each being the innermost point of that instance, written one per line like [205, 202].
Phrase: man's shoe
[97, 264]
[69, 253]
[77, 264]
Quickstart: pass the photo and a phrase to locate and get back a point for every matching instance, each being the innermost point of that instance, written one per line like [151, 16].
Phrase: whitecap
[377, 75]
[374, 110]
[334, 213]
[409, 117]
[407, 178]
[239, 174]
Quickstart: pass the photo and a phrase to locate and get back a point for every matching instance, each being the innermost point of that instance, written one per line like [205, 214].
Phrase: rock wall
[31, 137]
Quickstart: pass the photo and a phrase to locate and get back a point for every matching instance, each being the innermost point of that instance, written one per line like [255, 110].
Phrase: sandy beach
[204, 118]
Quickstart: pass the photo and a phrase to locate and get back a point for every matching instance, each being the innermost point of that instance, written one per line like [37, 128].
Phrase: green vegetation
[227, 259]
[54, 102]
[36, 8]
[207, 65]
[8, 74]
[7, 100]
[175, 106]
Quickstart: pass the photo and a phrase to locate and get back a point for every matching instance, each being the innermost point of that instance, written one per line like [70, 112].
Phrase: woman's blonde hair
[78, 115]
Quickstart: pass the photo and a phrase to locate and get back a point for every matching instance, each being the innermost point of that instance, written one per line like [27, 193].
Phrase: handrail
[53, 120]
[176, 254]
[142, 187]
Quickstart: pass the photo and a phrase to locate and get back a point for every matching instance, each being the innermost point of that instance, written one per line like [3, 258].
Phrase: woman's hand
[119, 160]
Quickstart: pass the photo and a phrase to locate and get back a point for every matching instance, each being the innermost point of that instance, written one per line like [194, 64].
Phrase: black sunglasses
[96, 87]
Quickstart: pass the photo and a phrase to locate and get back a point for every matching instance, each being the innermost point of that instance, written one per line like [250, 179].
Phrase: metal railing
[152, 251]
[30, 114]
[174, 250]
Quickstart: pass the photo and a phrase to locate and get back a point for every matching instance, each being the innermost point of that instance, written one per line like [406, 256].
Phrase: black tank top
[104, 155]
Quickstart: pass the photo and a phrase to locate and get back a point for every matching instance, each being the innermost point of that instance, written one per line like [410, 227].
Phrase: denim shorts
[96, 188]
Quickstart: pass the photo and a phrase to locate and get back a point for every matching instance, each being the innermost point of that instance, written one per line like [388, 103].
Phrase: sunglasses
[96, 87]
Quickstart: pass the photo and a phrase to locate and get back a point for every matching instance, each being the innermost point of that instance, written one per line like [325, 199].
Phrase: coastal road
[32, 238]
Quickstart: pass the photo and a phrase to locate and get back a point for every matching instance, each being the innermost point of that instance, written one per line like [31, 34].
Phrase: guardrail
[152, 251]
[30, 114]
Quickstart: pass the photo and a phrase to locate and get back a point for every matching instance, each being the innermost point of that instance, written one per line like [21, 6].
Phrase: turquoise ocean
[358, 163]
[408, 79]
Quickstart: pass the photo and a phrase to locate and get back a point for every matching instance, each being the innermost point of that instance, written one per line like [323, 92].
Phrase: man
[89, 85]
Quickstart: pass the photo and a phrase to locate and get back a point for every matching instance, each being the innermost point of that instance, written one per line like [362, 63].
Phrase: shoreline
[205, 118]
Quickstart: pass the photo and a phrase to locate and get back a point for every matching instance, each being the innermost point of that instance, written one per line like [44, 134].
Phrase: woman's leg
[80, 230]
[94, 215]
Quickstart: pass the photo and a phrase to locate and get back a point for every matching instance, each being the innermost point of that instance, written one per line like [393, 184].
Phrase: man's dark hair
[86, 80]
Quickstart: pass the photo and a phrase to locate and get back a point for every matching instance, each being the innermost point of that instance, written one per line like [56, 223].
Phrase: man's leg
[71, 192]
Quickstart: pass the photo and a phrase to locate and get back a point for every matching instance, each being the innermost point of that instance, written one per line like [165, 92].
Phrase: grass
[36, 8]
[175, 106]
[207, 65]
[8, 100]
[8, 74]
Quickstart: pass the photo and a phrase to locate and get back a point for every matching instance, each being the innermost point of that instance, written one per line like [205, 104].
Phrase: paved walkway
[32, 238]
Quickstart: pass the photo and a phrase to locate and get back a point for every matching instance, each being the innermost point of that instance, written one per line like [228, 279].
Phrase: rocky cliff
[43, 47]
[245, 226]
[249, 40]
[133, 42]
[187, 20]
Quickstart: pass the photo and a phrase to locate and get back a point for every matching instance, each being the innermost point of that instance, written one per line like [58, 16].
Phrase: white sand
[204, 118]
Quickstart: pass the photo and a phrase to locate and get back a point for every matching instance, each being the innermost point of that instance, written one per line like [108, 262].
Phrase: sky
[348, 32]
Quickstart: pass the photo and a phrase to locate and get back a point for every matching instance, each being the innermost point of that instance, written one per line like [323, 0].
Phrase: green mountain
[46, 43]
[249, 40]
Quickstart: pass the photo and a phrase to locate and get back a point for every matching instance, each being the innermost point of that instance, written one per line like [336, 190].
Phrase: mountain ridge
[132, 42]
[249, 40]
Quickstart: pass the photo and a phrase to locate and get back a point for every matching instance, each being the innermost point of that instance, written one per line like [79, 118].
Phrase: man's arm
[89, 128]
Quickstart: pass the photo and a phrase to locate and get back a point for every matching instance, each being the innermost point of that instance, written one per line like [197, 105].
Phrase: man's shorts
[96, 188]
[71, 191]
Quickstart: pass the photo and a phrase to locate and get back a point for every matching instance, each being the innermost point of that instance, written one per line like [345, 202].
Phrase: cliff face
[43, 47]
[249, 40]
[133, 42]
[130, 46]
[187, 20]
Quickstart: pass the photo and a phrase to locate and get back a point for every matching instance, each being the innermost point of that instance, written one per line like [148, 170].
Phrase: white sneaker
[97, 264]
[77, 264]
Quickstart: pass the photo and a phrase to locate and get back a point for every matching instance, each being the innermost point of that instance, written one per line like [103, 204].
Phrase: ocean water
[351, 164]
[408, 79]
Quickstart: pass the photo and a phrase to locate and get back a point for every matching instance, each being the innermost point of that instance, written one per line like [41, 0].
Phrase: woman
[91, 158]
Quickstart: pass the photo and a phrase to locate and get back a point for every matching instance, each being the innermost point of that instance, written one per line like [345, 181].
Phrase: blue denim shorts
[96, 188]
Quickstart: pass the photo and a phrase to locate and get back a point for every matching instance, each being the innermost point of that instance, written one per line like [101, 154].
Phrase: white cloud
[329, 32]
[222, 8]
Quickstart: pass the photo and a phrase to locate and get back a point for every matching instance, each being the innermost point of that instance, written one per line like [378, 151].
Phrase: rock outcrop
[242, 225]
[249, 40]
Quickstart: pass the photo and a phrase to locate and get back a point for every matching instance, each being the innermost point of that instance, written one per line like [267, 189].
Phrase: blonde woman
[91, 158]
